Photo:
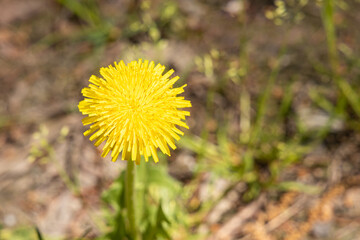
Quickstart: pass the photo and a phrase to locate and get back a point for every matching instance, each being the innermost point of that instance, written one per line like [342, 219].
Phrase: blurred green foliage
[20, 233]
[264, 148]
[161, 22]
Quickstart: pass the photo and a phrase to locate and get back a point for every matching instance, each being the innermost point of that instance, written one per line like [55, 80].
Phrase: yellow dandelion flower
[135, 109]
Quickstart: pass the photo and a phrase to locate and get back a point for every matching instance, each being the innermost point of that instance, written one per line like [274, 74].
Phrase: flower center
[134, 105]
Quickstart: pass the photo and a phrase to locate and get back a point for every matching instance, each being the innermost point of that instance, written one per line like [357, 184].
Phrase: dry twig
[238, 220]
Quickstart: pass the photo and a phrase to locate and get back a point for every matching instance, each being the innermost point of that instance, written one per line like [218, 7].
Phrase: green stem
[345, 88]
[73, 186]
[130, 197]
[329, 25]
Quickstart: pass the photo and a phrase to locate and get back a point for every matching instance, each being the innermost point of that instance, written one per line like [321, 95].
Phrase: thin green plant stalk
[328, 21]
[130, 198]
[72, 186]
[262, 104]
[345, 88]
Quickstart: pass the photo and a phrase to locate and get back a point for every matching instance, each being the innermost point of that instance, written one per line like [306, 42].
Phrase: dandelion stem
[130, 198]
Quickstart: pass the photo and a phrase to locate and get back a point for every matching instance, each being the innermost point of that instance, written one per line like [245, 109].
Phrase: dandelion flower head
[135, 109]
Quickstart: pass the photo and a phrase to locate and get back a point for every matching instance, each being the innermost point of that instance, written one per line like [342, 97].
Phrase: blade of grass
[287, 100]
[38, 233]
[200, 146]
[245, 116]
[321, 101]
[85, 12]
[344, 87]
[298, 187]
[264, 99]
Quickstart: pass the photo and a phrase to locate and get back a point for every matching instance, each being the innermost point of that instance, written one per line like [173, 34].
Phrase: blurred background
[273, 150]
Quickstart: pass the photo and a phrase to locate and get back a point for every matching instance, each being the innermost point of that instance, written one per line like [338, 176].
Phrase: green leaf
[299, 187]
[38, 233]
[157, 230]
[114, 196]
[160, 217]
[119, 228]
